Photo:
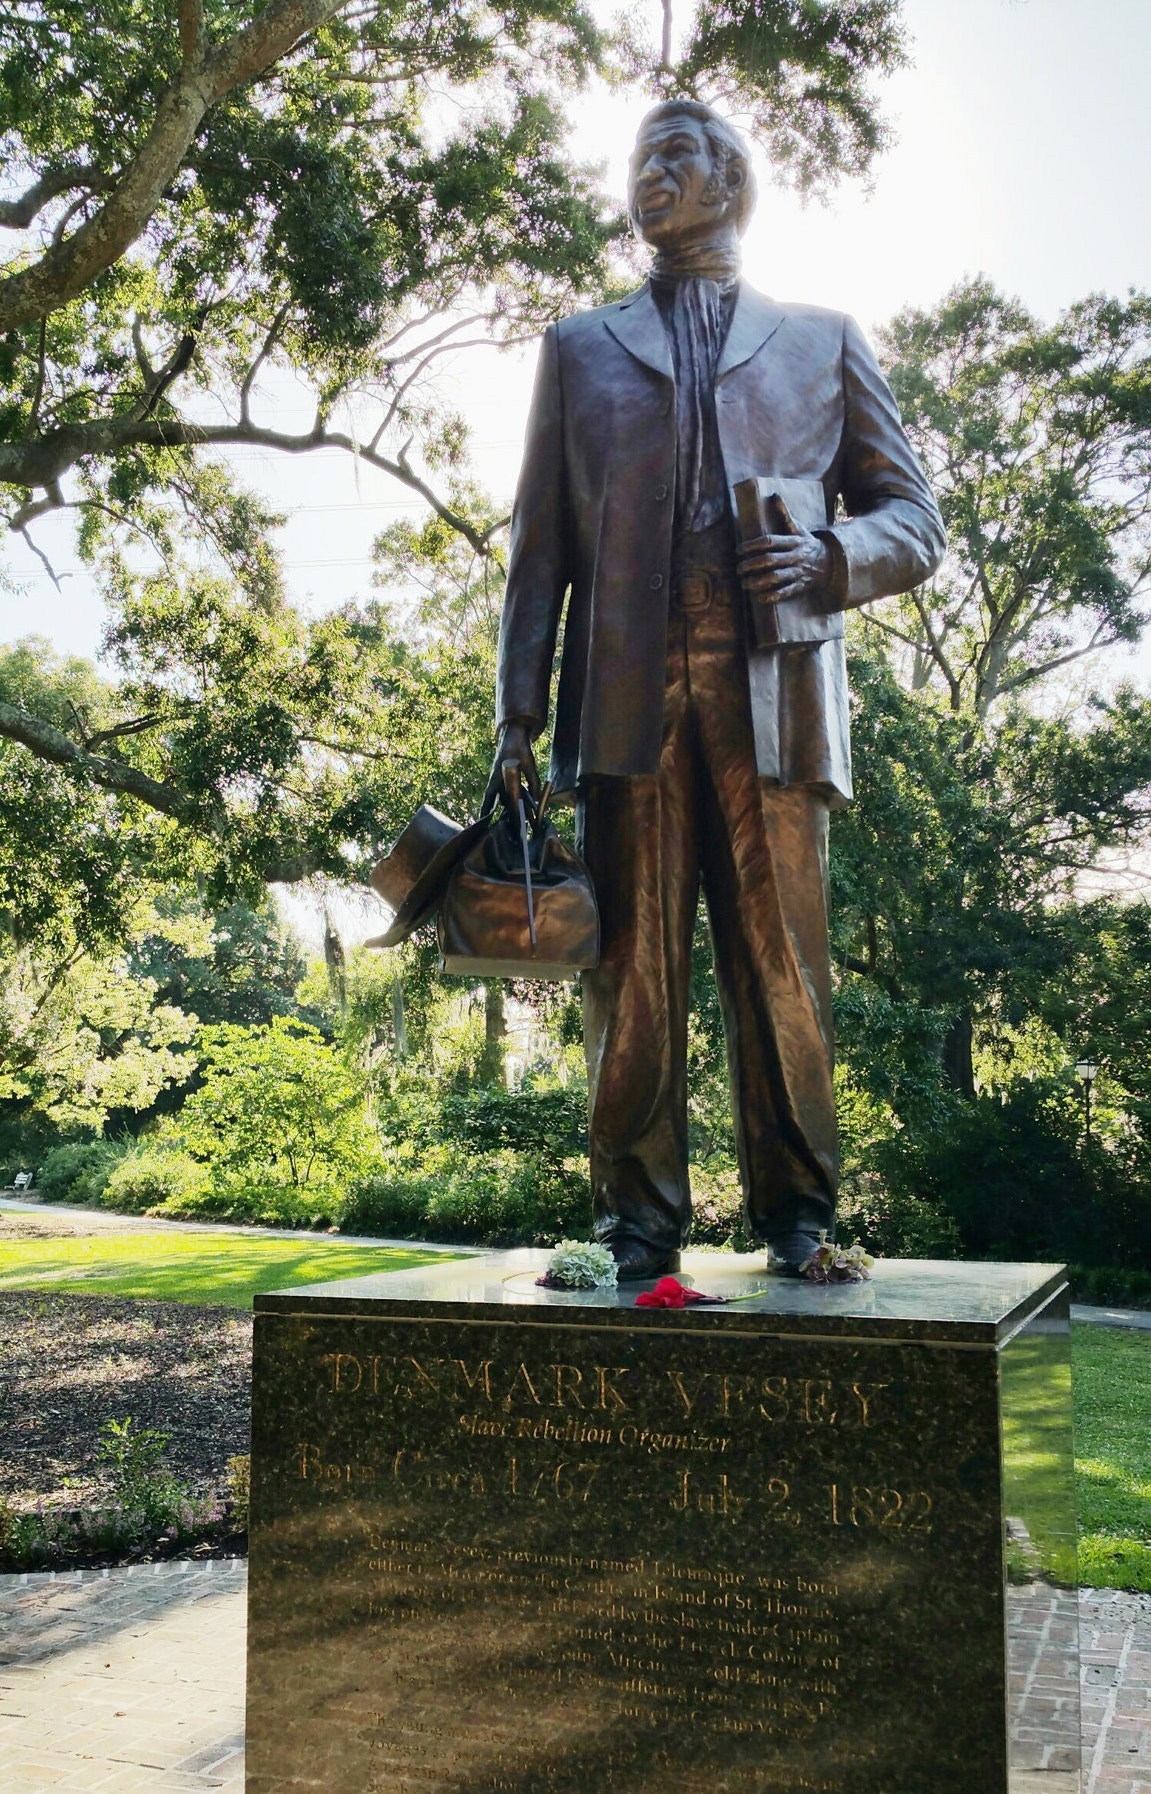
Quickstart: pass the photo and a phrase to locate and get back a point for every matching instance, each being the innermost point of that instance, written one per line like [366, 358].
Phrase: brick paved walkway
[1042, 1634]
[1115, 1652]
[123, 1681]
[132, 1682]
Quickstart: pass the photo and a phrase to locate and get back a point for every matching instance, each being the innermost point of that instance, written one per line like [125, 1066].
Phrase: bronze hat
[412, 877]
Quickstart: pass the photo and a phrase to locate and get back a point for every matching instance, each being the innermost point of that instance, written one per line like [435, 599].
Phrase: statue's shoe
[787, 1253]
[638, 1262]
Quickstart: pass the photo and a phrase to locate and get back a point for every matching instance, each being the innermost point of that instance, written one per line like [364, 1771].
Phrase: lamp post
[1085, 1070]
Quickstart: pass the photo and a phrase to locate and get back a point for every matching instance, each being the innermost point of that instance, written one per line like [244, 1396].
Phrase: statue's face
[674, 195]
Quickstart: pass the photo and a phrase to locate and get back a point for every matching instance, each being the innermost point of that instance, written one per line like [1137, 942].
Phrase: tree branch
[139, 725]
[50, 743]
[42, 461]
[53, 500]
[935, 648]
[177, 363]
[18, 214]
[68, 267]
[266, 349]
[1098, 642]
[42, 359]
[190, 19]
[42, 558]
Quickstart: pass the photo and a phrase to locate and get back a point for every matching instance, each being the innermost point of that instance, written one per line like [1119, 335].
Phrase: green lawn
[190, 1267]
[1113, 1455]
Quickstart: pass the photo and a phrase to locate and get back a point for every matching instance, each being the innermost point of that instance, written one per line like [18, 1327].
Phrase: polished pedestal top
[939, 1299]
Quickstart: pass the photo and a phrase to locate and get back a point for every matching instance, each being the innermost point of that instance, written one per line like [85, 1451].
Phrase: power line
[359, 560]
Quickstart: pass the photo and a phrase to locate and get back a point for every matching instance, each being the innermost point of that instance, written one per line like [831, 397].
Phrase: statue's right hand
[515, 744]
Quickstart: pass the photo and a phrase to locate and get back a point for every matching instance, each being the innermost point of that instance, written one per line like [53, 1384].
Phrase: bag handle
[514, 789]
[537, 810]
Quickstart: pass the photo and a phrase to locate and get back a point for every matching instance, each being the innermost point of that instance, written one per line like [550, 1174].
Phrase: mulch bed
[69, 1363]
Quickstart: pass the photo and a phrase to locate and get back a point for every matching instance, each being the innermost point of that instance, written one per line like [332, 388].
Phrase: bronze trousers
[760, 852]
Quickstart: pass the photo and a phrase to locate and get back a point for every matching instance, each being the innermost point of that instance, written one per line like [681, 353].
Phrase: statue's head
[690, 176]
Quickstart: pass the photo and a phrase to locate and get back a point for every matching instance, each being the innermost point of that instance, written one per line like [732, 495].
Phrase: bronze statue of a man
[694, 754]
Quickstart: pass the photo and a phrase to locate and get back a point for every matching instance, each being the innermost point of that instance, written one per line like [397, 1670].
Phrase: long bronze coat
[800, 396]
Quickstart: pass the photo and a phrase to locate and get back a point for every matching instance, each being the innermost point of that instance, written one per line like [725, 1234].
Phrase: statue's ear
[736, 176]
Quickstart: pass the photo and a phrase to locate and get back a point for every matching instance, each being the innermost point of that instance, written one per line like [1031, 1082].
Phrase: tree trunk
[957, 1065]
[399, 1020]
[492, 1068]
[336, 964]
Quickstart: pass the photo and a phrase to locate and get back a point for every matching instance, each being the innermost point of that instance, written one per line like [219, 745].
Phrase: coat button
[661, 492]
[656, 581]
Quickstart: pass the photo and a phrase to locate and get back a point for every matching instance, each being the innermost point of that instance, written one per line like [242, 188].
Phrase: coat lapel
[639, 327]
[756, 319]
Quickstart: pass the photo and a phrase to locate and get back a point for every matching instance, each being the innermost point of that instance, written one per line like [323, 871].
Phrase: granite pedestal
[514, 1541]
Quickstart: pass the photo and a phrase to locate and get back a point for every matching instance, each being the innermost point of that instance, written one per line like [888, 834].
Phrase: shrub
[493, 1199]
[78, 1172]
[256, 1201]
[895, 1223]
[275, 1106]
[1110, 1286]
[239, 1491]
[148, 1512]
[151, 1178]
[1014, 1177]
[548, 1124]
[132, 1460]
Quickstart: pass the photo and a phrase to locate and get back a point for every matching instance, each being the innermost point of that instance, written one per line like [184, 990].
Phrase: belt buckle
[696, 590]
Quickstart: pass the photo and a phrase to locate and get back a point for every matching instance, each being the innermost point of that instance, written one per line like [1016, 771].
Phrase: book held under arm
[771, 505]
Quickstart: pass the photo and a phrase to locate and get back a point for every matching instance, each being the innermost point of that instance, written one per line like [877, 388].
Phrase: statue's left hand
[772, 568]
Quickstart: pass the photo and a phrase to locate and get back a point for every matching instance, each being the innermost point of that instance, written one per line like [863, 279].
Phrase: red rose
[670, 1293]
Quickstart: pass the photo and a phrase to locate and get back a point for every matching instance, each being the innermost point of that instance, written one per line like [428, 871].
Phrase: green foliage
[483, 1166]
[1013, 1176]
[79, 1172]
[70, 859]
[1107, 1286]
[256, 1200]
[717, 1207]
[1036, 440]
[495, 1199]
[277, 1108]
[149, 1511]
[957, 875]
[710, 1133]
[550, 1123]
[239, 965]
[153, 1177]
[52, 1538]
[800, 70]
[131, 1459]
[81, 1038]
[239, 1490]
[893, 1221]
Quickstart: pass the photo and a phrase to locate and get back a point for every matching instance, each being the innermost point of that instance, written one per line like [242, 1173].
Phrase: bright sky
[1023, 151]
